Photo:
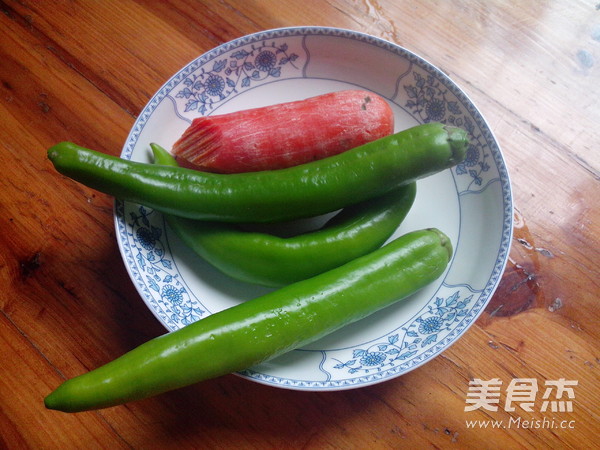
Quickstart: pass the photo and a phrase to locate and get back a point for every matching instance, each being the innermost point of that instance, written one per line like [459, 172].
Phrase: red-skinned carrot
[285, 134]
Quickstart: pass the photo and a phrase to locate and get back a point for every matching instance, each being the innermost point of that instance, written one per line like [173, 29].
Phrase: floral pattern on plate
[238, 69]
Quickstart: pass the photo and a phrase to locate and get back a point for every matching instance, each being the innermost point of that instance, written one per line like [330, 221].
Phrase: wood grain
[82, 71]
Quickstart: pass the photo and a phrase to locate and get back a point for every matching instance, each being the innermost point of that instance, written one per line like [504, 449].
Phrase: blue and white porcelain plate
[471, 203]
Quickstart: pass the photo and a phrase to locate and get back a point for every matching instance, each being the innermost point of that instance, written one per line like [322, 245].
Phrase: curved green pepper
[270, 260]
[306, 190]
[262, 328]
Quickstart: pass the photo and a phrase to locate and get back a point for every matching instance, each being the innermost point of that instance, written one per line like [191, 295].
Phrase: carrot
[284, 135]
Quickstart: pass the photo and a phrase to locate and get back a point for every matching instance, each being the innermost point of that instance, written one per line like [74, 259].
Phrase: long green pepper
[270, 260]
[306, 190]
[262, 328]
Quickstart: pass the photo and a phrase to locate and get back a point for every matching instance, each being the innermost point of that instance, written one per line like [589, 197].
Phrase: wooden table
[83, 70]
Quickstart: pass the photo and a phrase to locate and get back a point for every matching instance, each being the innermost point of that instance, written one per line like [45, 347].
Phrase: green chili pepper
[270, 260]
[262, 328]
[305, 190]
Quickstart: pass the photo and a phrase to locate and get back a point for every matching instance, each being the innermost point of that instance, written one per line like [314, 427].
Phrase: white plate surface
[472, 203]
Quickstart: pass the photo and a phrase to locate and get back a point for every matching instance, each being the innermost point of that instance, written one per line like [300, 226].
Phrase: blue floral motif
[430, 101]
[423, 332]
[265, 61]
[474, 164]
[147, 238]
[374, 358]
[160, 275]
[438, 318]
[430, 325]
[242, 68]
[435, 109]
[427, 99]
[171, 294]
[214, 85]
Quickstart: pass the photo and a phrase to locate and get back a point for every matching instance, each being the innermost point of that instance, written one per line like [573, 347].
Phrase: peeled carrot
[284, 135]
